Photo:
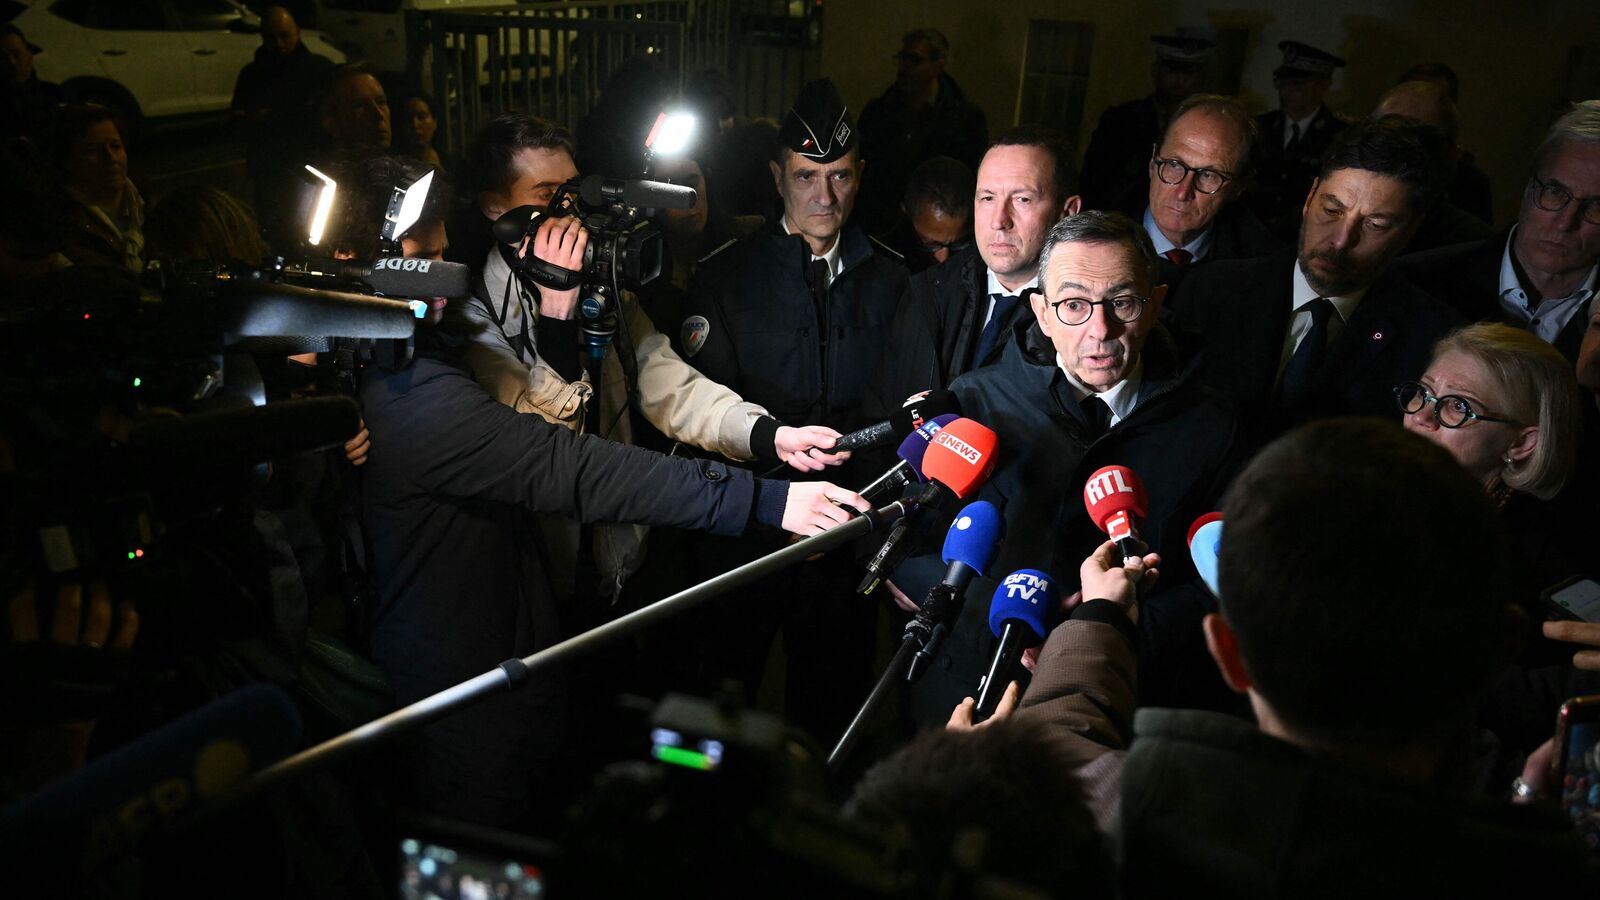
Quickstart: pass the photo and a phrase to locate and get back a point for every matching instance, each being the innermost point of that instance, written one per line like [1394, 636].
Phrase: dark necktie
[1301, 372]
[1003, 305]
[1294, 138]
[1178, 256]
[1096, 413]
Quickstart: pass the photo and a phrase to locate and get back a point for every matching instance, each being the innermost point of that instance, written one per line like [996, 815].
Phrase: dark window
[74, 11]
[1055, 74]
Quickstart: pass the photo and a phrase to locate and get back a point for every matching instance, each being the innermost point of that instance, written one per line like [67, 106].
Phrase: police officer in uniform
[794, 319]
[1294, 135]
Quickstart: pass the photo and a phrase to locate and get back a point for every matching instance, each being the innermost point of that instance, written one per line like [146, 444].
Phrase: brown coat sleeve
[1084, 689]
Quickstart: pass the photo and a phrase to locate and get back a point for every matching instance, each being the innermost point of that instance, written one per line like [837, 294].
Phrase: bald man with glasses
[1197, 173]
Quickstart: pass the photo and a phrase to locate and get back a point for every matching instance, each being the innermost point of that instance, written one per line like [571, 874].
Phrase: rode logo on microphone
[1104, 484]
[403, 264]
[1024, 586]
[959, 447]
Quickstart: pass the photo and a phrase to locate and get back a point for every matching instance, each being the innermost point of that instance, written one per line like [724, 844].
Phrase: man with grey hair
[1540, 273]
[1095, 380]
[922, 115]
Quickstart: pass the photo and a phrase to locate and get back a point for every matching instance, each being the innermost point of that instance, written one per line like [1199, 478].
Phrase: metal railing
[551, 57]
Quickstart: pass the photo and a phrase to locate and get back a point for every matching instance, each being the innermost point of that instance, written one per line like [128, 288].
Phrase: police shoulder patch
[693, 334]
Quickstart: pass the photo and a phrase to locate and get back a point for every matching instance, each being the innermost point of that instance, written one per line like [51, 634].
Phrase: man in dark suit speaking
[1328, 330]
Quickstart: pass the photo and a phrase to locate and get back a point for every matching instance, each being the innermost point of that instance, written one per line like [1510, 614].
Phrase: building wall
[1512, 58]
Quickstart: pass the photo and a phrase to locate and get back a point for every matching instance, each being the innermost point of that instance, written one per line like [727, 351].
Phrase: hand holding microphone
[1115, 499]
[1022, 605]
[1105, 578]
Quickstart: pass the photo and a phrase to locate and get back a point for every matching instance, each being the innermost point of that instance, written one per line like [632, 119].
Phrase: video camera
[135, 422]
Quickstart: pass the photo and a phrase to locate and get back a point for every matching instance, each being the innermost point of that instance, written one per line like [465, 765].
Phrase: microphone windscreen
[1196, 525]
[105, 808]
[974, 537]
[596, 190]
[281, 310]
[1028, 596]
[961, 456]
[1204, 545]
[246, 436]
[513, 224]
[923, 407]
[402, 277]
[915, 446]
[1112, 490]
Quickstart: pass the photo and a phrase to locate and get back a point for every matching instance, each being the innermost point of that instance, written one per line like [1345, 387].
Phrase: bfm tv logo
[961, 448]
[1025, 586]
[1104, 485]
[402, 265]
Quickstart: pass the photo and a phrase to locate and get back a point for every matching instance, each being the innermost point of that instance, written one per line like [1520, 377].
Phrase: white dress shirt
[1552, 315]
[831, 256]
[1300, 315]
[1288, 126]
[995, 287]
[1120, 398]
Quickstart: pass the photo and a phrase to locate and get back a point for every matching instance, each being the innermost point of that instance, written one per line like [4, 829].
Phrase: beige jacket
[675, 398]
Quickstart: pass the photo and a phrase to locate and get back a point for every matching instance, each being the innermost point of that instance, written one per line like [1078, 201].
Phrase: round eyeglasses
[1124, 308]
[1173, 171]
[1450, 411]
[1555, 197]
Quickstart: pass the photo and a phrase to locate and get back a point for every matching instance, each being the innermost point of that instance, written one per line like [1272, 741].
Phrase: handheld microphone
[1205, 543]
[911, 452]
[249, 310]
[1022, 603]
[917, 409]
[959, 458]
[109, 807]
[1116, 502]
[970, 547]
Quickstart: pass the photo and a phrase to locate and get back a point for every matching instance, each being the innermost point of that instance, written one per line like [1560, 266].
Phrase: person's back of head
[200, 222]
[1005, 786]
[1364, 578]
[942, 182]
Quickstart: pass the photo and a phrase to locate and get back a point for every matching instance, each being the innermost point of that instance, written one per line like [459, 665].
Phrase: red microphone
[1116, 502]
[961, 456]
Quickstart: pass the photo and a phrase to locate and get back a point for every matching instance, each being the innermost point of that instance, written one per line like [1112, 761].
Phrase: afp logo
[399, 264]
[1029, 587]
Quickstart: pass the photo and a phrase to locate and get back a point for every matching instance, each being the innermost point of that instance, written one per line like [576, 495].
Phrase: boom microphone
[917, 409]
[1205, 543]
[407, 277]
[278, 310]
[598, 190]
[1116, 502]
[1017, 617]
[108, 808]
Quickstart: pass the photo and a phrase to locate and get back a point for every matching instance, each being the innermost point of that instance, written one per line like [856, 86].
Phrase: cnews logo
[961, 448]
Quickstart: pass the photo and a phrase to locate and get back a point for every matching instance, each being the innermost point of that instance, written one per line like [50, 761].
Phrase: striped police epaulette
[725, 246]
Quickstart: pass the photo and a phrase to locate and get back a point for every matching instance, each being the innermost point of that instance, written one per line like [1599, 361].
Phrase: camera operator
[526, 344]
[447, 496]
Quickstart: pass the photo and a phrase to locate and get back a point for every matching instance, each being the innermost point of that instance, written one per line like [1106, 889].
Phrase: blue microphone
[1205, 542]
[1017, 615]
[911, 452]
[109, 807]
[972, 543]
